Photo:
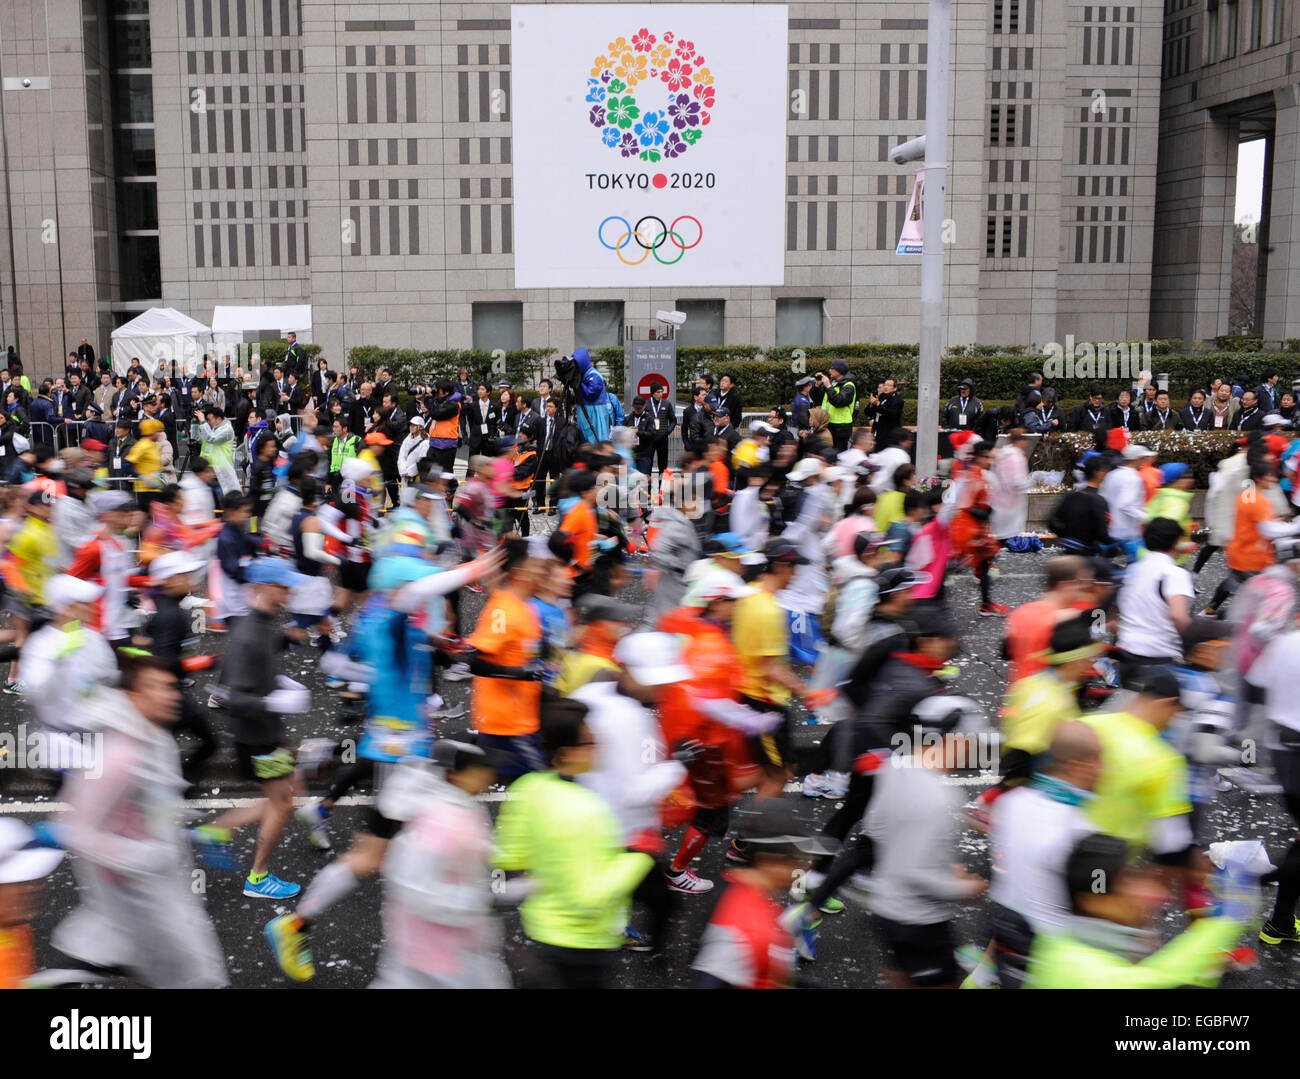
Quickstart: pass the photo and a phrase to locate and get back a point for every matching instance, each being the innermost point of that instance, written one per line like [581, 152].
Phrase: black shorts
[244, 755]
[923, 953]
[380, 826]
[776, 748]
[354, 575]
[712, 821]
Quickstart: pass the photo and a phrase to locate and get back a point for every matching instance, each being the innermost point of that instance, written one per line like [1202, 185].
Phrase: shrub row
[1202, 450]
[767, 377]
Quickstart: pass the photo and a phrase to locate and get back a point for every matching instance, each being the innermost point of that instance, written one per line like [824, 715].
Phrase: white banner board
[649, 144]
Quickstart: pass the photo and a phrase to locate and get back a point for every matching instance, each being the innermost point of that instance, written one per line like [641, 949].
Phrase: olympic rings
[650, 244]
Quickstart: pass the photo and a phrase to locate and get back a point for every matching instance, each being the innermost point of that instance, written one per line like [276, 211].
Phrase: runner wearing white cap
[24, 865]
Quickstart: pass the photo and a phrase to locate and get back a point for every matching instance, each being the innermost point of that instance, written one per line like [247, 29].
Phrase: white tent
[157, 337]
[236, 325]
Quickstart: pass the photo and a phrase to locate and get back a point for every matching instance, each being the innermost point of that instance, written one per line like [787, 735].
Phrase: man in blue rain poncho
[597, 410]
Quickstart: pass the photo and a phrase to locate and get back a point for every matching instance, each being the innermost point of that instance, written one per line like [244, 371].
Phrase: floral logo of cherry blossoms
[650, 97]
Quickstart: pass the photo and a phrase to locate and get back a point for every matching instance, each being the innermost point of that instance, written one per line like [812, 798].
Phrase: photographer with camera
[838, 395]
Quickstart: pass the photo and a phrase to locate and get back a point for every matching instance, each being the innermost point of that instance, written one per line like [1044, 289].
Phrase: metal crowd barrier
[34, 428]
[68, 434]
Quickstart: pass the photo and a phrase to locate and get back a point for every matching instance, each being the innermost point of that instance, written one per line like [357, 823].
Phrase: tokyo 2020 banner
[649, 144]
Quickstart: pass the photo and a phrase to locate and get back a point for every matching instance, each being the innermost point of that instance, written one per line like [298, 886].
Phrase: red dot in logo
[660, 180]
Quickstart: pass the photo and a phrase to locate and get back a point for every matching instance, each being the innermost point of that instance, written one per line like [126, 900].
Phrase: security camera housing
[911, 150]
[671, 318]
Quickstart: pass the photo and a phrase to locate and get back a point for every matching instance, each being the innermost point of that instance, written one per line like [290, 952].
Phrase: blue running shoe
[271, 887]
[634, 941]
[213, 847]
[51, 834]
[802, 923]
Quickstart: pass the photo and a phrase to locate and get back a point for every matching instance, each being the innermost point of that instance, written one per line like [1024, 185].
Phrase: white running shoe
[689, 883]
[837, 782]
[313, 816]
[815, 786]
[457, 672]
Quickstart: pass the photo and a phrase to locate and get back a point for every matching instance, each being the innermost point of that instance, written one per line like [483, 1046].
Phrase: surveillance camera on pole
[939, 39]
[911, 150]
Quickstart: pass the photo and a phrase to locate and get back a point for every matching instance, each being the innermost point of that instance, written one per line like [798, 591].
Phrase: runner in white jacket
[139, 910]
[630, 769]
[439, 890]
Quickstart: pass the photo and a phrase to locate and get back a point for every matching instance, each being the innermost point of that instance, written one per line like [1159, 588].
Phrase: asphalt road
[346, 942]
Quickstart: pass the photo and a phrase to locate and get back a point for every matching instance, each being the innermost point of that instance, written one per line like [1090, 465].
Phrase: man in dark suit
[1196, 417]
[295, 359]
[696, 426]
[526, 415]
[86, 351]
[362, 412]
[729, 399]
[1251, 416]
[1092, 414]
[550, 453]
[888, 407]
[663, 421]
[544, 390]
[281, 388]
[482, 421]
[62, 405]
[1163, 417]
[296, 396]
[1267, 393]
[78, 398]
[383, 384]
[725, 430]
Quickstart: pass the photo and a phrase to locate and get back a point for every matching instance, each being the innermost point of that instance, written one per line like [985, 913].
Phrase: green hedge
[767, 377]
[1202, 450]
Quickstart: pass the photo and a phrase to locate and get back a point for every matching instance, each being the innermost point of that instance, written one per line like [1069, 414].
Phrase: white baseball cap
[721, 583]
[21, 857]
[807, 468]
[63, 591]
[174, 564]
[653, 659]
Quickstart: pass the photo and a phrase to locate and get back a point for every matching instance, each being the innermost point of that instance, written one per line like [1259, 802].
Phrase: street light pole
[933, 215]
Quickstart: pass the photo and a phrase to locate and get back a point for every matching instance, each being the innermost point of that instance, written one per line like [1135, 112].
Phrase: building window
[1212, 32]
[799, 322]
[705, 323]
[134, 99]
[131, 44]
[1230, 14]
[1256, 29]
[1279, 20]
[498, 325]
[597, 323]
[135, 152]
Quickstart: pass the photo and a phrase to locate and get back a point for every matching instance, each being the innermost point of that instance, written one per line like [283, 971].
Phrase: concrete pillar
[1191, 272]
[1282, 301]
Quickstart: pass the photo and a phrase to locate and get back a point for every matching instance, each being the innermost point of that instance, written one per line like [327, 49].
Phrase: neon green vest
[340, 450]
[1196, 957]
[843, 413]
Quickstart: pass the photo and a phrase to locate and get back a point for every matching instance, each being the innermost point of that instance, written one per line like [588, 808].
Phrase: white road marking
[18, 809]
